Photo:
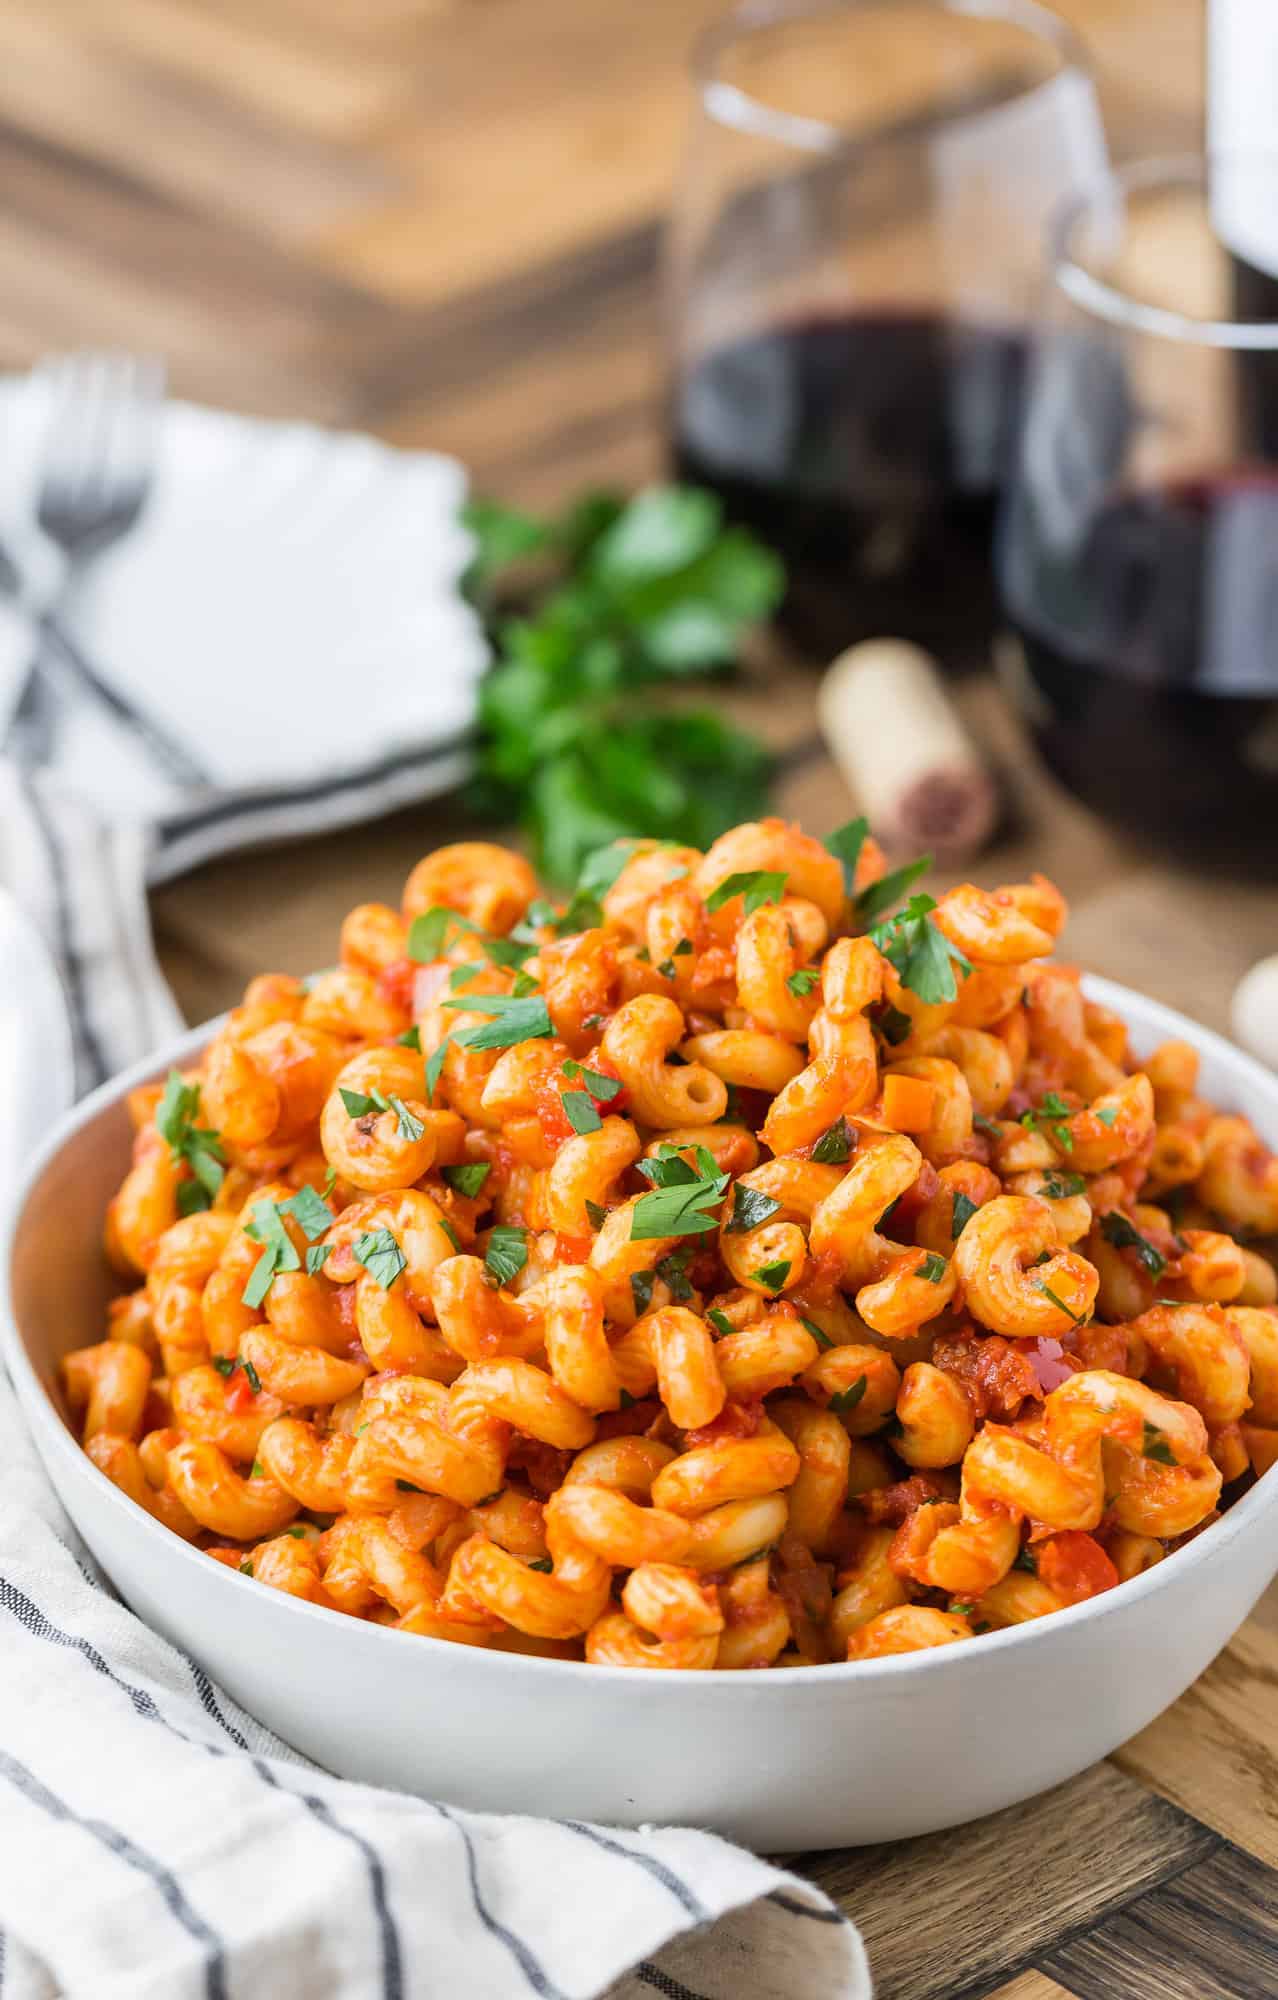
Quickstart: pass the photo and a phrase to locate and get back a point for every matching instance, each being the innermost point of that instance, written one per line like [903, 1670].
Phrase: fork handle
[171, 756]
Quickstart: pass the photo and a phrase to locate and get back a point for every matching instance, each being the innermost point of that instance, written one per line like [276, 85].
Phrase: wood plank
[1031, 1985]
[950, 1916]
[1211, 1931]
[1215, 1751]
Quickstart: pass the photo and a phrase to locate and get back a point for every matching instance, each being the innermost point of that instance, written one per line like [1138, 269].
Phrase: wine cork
[894, 734]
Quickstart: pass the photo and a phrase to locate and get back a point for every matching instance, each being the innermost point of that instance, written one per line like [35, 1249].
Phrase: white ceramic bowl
[811, 1757]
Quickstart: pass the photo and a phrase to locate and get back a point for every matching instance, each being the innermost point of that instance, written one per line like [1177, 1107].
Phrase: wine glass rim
[728, 104]
[1105, 301]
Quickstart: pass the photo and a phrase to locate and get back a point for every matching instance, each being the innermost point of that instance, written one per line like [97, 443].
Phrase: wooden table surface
[439, 219]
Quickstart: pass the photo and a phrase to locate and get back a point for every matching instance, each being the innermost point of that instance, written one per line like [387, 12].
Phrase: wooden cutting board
[440, 219]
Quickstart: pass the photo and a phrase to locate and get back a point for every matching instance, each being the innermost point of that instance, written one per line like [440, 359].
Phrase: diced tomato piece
[1075, 1566]
[735, 1420]
[907, 1103]
[239, 1393]
[395, 982]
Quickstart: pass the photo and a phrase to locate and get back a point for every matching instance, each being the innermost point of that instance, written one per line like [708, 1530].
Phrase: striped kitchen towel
[159, 1844]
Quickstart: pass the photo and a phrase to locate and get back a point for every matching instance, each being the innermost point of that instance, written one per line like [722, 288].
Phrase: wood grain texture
[442, 220]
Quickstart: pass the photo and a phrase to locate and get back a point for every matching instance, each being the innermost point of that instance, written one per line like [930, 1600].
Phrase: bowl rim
[51, 1435]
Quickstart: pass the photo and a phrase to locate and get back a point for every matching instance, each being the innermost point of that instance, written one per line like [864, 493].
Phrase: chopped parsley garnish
[330, 1182]
[719, 1320]
[524, 984]
[381, 1256]
[317, 1255]
[226, 1366]
[757, 885]
[450, 1233]
[641, 1284]
[196, 1146]
[933, 1268]
[1108, 1115]
[750, 1208]
[1079, 1319]
[1154, 1444]
[428, 938]
[847, 1399]
[845, 844]
[278, 1253]
[246, 1567]
[581, 1111]
[469, 1177]
[964, 1209]
[464, 975]
[359, 1106]
[679, 1203]
[984, 1124]
[922, 957]
[310, 1212]
[525, 1020]
[410, 1039]
[962, 1610]
[800, 983]
[1124, 1235]
[772, 1275]
[1026, 1560]
[1062, 1187]
[879, 896]
[596, 1214]
[605, 1088]
[507, 1253]
[835, 1145]
[542, 1564]
[1050, 1115]
[821, 1338]
[673, 1272]
[406, 1486]
[667, 968]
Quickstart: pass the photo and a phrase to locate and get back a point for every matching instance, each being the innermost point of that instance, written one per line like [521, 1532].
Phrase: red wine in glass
[1150, 643]
[869, 451]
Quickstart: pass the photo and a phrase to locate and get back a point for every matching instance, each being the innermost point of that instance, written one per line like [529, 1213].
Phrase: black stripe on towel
[651, 1863]
[249, 803]
[89, 1056]
[519, 1951]
[128, 1851]
[661, 1982]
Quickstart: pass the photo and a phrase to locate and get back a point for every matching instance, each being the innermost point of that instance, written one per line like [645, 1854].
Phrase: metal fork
[95, 481]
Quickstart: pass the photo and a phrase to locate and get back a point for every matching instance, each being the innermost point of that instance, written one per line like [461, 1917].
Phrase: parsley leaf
[772, 1275]
[1051, 1114]
[428, 938]
[892, 1023]
[1124, 1235]
[1108, 1115]
[835, 1145]
[964, 1210]
[1026, 1560]
[922, 957]
[819, 1334]
[580, 1111]
[750, 1207]
[1061, 1187]
[317, 1255]
[469, 1177]
[757, 885]
[359, 1106]
[312, 1215]
[673, 1272]
[450, 1233]
[719, 1320]
[881, 895]
[1154, 1444]
[278, 1254]
[984, 1124]
[410, 1039]
[801, 983]
[933, 1268]
[514, 1021]
[381, 1256]
[198, 1146]
[641, 1284]
[679, 1205]
[845, 844]
[596, 1214]
[605, 1088]
[542, 1564]
[507, 1253]
[847, 1399]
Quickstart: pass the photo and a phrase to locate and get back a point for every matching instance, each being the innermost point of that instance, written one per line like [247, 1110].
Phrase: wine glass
[851, 266]
[1138, 553]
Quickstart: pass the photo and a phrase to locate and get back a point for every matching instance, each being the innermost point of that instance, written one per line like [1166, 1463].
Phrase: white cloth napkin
[287, 610]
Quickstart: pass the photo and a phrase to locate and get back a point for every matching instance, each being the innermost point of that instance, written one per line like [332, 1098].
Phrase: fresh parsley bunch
[594, 614]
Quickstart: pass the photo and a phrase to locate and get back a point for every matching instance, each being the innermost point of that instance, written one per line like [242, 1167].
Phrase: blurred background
[442, 221]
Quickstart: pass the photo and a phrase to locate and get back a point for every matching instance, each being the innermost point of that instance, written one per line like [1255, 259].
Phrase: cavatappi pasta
[722, 1272]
